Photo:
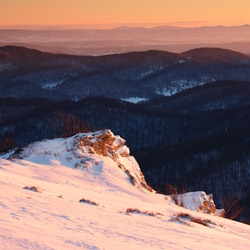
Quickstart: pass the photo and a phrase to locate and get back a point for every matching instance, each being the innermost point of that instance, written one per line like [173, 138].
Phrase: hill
[26, 73]
[86, 192]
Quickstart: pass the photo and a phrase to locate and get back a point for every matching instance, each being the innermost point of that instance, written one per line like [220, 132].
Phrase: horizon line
[112, 26]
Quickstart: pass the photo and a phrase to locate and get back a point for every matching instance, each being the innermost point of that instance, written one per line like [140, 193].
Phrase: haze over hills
[26, 73]
[126, 39]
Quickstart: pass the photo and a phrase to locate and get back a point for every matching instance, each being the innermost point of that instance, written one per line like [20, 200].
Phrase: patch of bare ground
[33, 188]
[89, 202]
[187, 219]
[138, 211]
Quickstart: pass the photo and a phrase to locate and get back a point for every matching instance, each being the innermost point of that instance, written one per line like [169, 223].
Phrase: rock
[87, 151]
[198, 201]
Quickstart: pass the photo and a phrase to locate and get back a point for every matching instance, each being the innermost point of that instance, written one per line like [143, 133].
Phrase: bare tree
[6, 144]
[173, 190]
[232, 206]
[69, 125]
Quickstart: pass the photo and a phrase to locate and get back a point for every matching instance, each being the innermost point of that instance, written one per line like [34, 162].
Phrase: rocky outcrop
[86, 151]
[198, 201]
[102, 143]
[105, 143]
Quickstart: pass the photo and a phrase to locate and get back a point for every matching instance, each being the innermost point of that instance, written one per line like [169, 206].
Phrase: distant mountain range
[26, 73]
[125, 39]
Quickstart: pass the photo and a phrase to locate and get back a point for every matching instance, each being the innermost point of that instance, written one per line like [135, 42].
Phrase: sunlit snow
[113, 213]
[135, 100]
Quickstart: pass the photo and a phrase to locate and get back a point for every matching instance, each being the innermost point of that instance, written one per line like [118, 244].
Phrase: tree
[6, 144]
[69, 125]
[232, 206]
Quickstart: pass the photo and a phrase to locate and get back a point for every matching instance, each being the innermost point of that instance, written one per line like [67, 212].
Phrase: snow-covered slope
[87, 192]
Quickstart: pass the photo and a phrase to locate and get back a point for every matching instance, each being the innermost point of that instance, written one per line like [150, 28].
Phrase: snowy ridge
[87, 192]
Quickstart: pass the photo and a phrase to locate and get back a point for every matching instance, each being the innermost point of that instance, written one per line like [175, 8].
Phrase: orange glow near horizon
[101, 13]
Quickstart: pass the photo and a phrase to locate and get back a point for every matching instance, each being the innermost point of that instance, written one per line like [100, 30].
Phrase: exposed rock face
[103, 143]
[86, 151]
[198, 201]
[106, 144]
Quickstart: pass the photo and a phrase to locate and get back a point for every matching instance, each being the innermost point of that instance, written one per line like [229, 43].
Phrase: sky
[101, 13]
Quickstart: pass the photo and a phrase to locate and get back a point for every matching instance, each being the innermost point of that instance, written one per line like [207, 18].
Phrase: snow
[55, 219]
[193, 200]
[166, 92]
[152, 70]
[198, 201]
[177, 86]
[118, 141]
[52, 85]
[180, 61]
[5, 66]
[124, 150]
[135, 100]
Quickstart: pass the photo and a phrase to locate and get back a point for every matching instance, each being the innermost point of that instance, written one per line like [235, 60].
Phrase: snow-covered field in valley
[87, 192]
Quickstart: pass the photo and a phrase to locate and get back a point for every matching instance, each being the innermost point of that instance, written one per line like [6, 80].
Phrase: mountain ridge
[106, 41]
[141, 75]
